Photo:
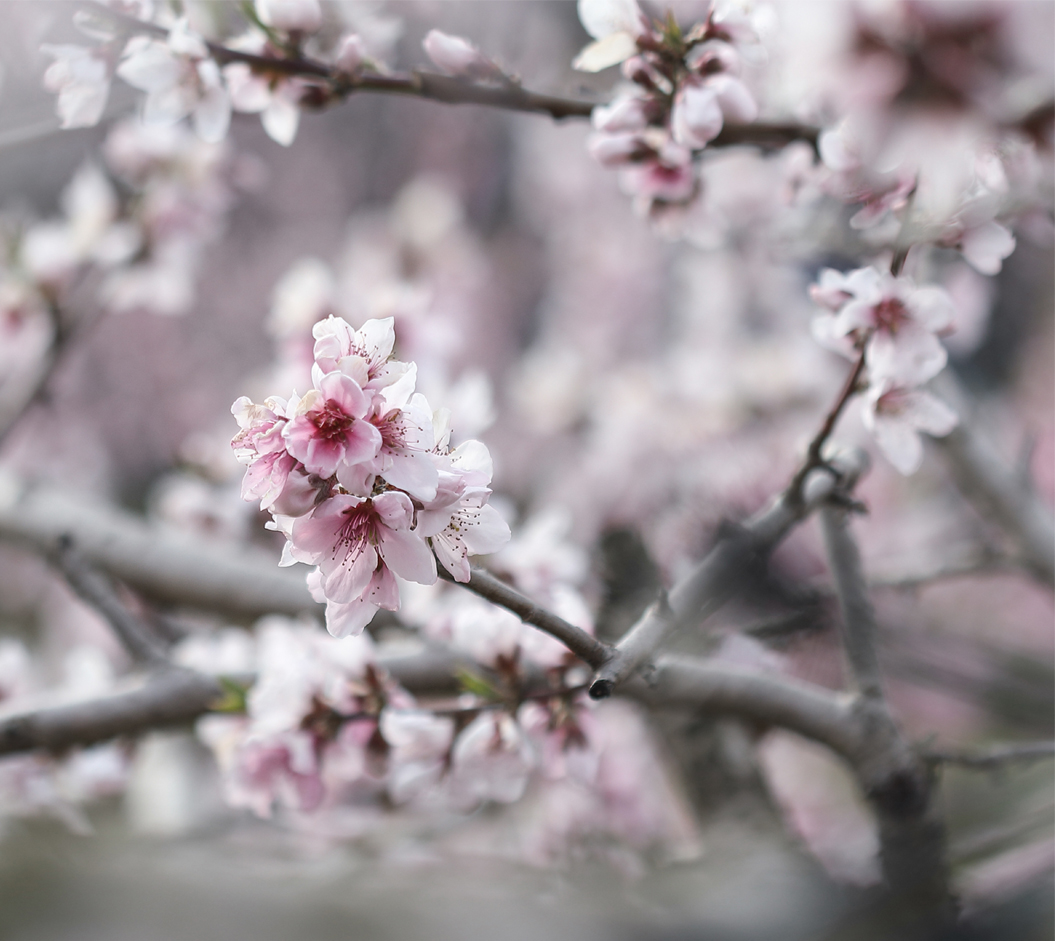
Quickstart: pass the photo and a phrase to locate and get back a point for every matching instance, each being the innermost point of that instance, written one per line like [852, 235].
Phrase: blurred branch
[162, 563]
[716, 578]
[586, 647]
[997, 489]
[433, 86]
[175, 697]
[858, 616]
[92, 587]
[996, 756]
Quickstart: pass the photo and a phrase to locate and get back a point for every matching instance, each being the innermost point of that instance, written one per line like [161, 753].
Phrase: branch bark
[162, 563]
[717, 577]
[996, 756]
[586, 647]
[996, 489]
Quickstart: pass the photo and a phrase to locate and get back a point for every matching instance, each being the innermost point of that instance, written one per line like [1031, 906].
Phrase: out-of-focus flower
[896, 322]
[81, 79]
[180, 79]
[304, 16]
[615, 25]
[897, 414]
[459, 57]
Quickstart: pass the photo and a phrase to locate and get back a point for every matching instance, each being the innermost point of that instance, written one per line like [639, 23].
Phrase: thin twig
[814, 452]
[995, 756]
[92, 587]
[432, 86]
[586, 647]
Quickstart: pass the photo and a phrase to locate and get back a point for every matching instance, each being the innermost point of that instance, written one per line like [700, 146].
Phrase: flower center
[331, 422]
[889, 315]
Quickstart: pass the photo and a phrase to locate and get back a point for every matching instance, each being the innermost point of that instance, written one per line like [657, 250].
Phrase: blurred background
[635, 392]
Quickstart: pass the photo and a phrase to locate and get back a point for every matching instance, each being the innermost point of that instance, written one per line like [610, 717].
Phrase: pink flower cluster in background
[687, 86]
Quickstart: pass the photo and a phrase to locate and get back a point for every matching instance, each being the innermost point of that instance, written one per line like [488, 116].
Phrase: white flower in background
[895, 415]
[81, 79]
[303, 16]
[459, 57]
[180, 79]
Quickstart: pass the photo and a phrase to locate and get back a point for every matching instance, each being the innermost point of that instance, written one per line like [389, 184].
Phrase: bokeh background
[638, 390]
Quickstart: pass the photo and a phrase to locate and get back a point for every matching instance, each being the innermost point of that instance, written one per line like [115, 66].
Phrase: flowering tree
[825, 205]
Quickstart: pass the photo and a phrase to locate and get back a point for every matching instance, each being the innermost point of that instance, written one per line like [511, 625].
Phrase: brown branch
[433, 86]
[174, 698]
[814, 452]
[586, 647]
[858, 615]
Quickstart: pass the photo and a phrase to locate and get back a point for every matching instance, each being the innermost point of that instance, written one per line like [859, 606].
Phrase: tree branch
[93, 588]
[717, 577]
[162, 563]
[433, 86]
[858, 615]
[996, 756]
[996, 489]
[586, 647]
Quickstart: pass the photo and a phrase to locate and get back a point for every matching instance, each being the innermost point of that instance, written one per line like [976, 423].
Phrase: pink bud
[351, 54]
[457, 56]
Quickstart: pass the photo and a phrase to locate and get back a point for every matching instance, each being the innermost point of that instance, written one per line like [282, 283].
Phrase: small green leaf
[234, 696]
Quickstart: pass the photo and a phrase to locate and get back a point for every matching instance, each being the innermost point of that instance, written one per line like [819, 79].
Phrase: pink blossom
[358, 543]
[492, 760]
[459, 522]
[702, 107]
[406, 440]
[895, 320]
[897, 414]
[179, 79]
[363, 354]
[326, 428]
[668, 177]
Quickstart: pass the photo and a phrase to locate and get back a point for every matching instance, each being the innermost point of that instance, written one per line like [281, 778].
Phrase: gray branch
[585, 646]
[161, 563]
[93, 588]
[858, 615]
[704, 590]
[996, 756]
[996, 488]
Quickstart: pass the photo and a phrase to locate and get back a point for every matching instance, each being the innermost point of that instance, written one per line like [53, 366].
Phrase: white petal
[601, 18]
[605, 53]
[930, 414]
[899, 441]
[212, 116]
[280, 120]
[408, 556]
[986, 246]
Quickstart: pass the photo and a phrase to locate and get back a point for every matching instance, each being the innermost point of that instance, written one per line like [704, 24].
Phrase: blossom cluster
[895, 326]
[172, 62]
[361, 478]
[686, 85]
[327, 730]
